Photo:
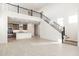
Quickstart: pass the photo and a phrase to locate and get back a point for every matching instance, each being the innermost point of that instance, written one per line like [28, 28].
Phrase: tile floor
[37, 47]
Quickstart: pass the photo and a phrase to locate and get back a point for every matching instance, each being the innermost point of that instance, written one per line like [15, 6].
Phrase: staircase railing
[30, 12]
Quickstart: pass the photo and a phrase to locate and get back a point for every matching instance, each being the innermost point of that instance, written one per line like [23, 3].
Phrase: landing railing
[22, 10]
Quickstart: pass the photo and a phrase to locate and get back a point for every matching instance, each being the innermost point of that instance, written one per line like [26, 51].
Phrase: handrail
[55, 25]
[41, 15]
[45, 16]
[21, 7]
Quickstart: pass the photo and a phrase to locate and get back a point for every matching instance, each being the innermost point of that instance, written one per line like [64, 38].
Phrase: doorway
[36, 30]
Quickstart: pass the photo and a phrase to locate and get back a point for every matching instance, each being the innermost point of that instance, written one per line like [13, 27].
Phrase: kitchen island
[23, 35]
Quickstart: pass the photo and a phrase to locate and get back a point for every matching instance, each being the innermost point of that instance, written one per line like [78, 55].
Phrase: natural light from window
[60, 21]
[73, 19]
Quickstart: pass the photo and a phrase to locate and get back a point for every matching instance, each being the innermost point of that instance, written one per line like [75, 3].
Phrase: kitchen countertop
[20, 31]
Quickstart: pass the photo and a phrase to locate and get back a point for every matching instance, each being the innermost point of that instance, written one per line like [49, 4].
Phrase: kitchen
[19, 30]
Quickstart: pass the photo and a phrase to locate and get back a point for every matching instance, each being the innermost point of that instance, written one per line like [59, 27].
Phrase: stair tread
[72, 41]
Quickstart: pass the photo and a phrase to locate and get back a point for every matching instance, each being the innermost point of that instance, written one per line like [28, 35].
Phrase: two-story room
[46, 29]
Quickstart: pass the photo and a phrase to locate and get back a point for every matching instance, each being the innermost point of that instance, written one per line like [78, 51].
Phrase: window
[73, 19]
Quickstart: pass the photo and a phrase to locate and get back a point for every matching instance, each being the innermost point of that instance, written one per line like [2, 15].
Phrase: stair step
[71, 42]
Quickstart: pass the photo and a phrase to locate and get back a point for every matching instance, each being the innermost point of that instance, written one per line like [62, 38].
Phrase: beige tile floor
[37, 47]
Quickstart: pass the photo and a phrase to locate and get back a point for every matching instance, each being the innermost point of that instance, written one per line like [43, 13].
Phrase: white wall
[3, 27]
[48, 32]
[63, 10]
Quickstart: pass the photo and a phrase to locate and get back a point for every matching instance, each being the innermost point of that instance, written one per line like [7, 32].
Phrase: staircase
[54, 24]
[71, 42]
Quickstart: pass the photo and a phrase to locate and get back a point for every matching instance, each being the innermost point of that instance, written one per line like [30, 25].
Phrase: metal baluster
[18, 9]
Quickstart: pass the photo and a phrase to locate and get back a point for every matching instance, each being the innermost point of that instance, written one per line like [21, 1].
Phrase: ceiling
[34, 6]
